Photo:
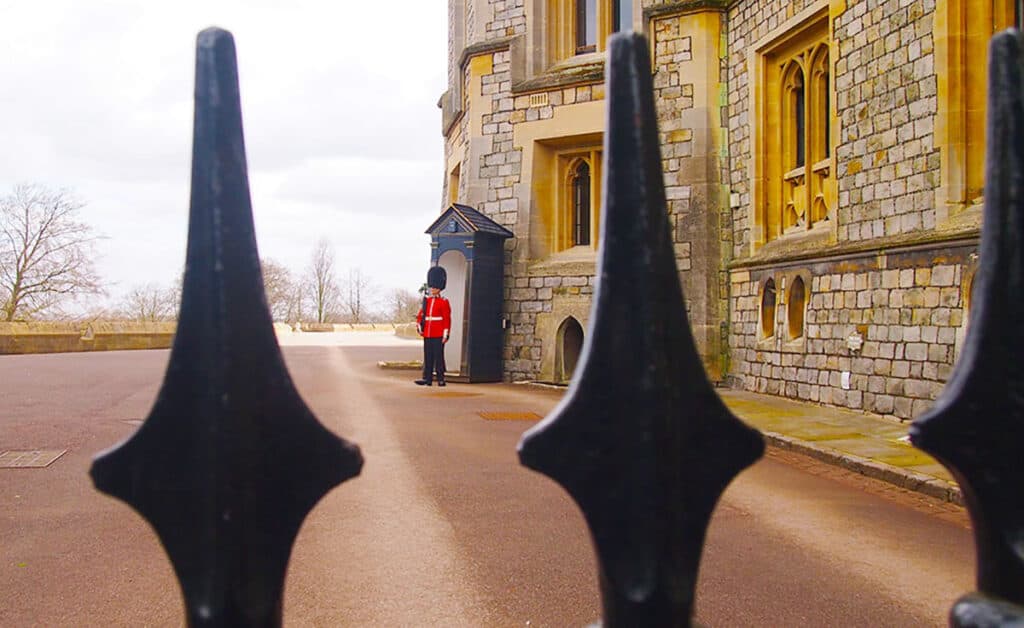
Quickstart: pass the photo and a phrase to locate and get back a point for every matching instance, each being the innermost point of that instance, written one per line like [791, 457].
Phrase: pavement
[58, 564]
[869, 444]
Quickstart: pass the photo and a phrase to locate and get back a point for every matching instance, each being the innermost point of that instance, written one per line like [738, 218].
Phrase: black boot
[426, 382]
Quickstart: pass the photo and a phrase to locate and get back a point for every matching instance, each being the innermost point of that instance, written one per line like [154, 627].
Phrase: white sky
[339, 106]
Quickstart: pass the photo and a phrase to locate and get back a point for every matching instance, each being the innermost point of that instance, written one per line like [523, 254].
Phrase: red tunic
[437, 321]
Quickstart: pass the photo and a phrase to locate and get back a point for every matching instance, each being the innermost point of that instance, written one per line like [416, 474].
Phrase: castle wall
[519, 116]
[888, 289]
[886, 272]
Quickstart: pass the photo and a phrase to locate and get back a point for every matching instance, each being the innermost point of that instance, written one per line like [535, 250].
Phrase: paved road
[443, 527]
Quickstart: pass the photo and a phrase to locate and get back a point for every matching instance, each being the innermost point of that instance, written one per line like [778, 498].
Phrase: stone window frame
[793, 201]
[547, 145]
[806, 153]
[789, 342]
[568, 161]
[563, 29]
[546, 52]
[969, 274]
[562, 373]
[962, 29]
[796, 308]
[581, 203]
[584, 21]
[767, 312]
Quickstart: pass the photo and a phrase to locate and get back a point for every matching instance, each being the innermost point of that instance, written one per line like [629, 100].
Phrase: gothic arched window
[796, 304]
[768, 309]
[581, 205]
[795, 152]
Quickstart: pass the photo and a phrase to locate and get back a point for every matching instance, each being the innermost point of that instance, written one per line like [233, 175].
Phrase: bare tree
[322, 283]
[284, 293]
[357, 296]
[296, 304]
[46, 254]
[403, 305]
[152, 303]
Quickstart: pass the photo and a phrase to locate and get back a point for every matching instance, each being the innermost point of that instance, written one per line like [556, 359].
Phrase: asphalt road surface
[443, 527]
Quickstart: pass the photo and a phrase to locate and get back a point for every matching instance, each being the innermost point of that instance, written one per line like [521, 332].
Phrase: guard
[434, 322]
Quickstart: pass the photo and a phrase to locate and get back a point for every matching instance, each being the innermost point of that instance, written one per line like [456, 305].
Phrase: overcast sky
[339, 106]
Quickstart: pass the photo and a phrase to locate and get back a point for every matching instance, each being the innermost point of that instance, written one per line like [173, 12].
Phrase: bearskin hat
[437, 277]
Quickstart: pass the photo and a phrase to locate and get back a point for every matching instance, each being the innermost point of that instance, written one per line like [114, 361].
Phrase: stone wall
[673, 95]
[509, 18]
[544, 290]
[893, 324]
[495, 188]
[23, 338]
[537, 305]
[887, 287]
[888, 277]
[499, 166]
[688, 68]
[886, 87]
[470, 23]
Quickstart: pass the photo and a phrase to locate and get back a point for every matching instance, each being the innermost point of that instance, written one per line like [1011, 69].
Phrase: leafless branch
[152, 303]
[357, 296]
[46, 253]
[284, 293]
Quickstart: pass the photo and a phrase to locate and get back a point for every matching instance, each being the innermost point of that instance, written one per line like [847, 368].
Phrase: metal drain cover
[510, 416]
[30, 459]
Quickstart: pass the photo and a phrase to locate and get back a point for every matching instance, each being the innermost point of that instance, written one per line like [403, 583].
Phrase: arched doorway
[454, 263]
[568, 345]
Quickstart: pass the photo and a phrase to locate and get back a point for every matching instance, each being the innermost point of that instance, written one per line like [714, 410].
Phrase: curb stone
[910, 480]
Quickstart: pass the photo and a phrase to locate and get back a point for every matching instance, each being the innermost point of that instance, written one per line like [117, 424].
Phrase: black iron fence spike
[976, 426]
[230, 459]
[641, 441]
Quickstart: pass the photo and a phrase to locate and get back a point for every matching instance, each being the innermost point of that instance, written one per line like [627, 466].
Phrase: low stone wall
[23, 338]
[402, 330]
[407, 331]
[334, 327]
[53, 337]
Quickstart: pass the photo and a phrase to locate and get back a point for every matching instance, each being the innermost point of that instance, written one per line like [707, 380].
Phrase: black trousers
[433, 358]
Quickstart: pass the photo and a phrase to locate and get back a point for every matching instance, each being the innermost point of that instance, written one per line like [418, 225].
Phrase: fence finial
[230, 459]
[641, 441]
[976, 426]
